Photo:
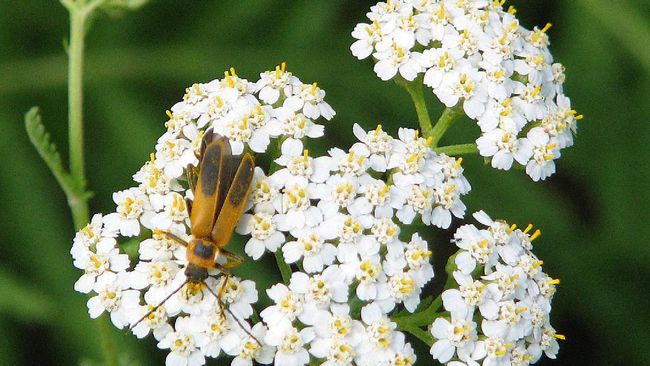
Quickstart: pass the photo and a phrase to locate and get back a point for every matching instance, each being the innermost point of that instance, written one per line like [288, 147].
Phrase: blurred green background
[593, 213]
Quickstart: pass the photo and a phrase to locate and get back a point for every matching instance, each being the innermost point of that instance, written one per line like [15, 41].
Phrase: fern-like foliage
[40, 138]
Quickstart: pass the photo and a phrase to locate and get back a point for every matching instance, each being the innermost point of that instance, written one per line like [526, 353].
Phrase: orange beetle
[221, 186]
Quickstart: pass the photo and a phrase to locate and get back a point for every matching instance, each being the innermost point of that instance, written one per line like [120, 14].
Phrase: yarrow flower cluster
[190, 323]
[498, 310]
[476, 56]
[336, 219]
[352, 277]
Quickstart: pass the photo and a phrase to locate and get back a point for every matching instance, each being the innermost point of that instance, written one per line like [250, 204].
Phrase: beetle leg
[175, 238]
[222, 290]
[233, 259]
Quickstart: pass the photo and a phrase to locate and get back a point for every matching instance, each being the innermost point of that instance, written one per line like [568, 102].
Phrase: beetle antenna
[159, 305]
[239, 322]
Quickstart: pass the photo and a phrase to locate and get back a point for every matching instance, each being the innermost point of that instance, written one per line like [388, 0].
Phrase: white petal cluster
[336, 220]
[475, 55]
[190, 323]
[498, 311]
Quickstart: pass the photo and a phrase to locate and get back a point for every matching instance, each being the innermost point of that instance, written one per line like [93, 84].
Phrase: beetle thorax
[201, 253]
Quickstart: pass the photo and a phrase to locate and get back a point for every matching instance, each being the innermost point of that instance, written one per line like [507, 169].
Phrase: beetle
[221, 185]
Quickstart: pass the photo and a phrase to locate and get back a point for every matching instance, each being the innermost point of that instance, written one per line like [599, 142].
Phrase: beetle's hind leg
[232, 259]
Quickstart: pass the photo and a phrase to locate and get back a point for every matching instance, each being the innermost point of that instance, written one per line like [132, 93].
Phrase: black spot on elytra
[209, 172]
[242, 182]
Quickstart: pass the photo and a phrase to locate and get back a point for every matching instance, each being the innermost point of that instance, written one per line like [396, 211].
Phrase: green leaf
[40, 138]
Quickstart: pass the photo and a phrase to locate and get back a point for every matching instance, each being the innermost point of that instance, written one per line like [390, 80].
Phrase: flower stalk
[448, 117]
[456, 150]
[79, 13]
[416, 92]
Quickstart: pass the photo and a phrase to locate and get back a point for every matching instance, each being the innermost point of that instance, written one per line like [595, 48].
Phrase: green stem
[78, 202]
[457, 149]
[75, 102]
[285, 270]
[448, 117]
[414, 89]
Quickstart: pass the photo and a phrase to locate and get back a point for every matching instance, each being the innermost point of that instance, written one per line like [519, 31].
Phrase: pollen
[561, 337]
[536, 234]
[554, 282]
[536, 91]
[450, 189]
[528, 228]
[458, 162]
[169, 114]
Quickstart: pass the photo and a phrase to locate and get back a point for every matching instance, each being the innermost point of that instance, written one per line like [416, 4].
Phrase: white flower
[319, 289]
[250, 349]
[478, 248]
[157, 321]
[273, 84]
[368, 35]
[309, 99]
[105, 259]
[290, 344]
[173, 155]
[112, 295]
[155, 183]
[288, 305]
[379, 143]
[395, 59]
[439, 62]
[457, 336]
[311, 245]
[541, 164]
[161, 247]
[184, 344]
[380, 333]
[133, 208]
[90, 235]
[264, 234]
[464, 83]
[218, 332]
[504, 147]
[173, 215]
[417, 255]
[238, 295]
[295, 125]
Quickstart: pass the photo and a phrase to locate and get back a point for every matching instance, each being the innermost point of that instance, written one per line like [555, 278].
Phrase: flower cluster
[498, 311]
[333, 216]
[334, 222]
[190, 323]
[475, 55]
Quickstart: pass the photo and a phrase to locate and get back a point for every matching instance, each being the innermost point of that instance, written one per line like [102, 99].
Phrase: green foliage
[40, 138]
[593, 213]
